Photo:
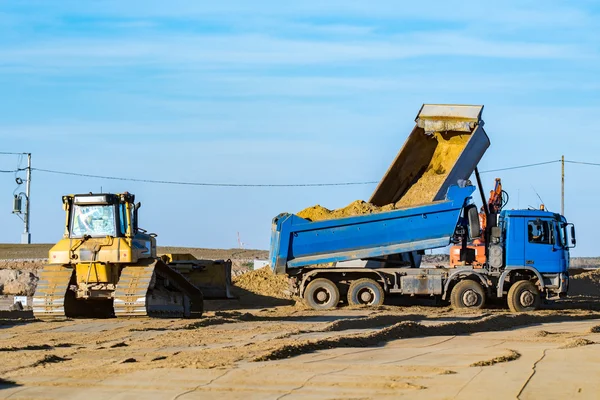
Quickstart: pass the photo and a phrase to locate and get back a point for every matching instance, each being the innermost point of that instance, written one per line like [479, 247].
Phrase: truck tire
[523, 296]
[467, 294]
[365, 292]
[322, 294]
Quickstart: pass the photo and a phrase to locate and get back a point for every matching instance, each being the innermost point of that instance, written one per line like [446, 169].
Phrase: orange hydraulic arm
[494, 204]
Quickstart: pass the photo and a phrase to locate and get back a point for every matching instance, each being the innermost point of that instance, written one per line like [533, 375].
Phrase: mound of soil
[18, 282]
[446, 153]
[21, 265]
[586, 283]
[571, 344]
[423, 191]
[358, 207]
[264, 282]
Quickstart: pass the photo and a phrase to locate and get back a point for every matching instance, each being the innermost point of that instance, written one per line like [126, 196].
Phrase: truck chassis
[523, 288]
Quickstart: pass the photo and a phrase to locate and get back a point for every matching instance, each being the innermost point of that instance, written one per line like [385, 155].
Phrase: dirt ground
[48, 359]
[265, 345]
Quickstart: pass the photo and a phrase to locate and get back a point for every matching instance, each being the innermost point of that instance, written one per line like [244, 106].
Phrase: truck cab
[537, 241]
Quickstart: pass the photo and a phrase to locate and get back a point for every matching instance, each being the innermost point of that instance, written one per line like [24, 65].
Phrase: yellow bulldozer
[106, 265]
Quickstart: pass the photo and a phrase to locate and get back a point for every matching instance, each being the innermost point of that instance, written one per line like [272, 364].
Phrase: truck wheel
[322, 294]
[365, 291]
[467, 294]
[523, 296]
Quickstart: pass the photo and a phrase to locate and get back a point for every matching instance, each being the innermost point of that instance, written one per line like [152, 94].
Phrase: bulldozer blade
[214, 281]
[51, 292]
[213, 278]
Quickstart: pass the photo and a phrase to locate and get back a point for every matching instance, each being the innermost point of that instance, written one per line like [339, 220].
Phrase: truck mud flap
[51, 292]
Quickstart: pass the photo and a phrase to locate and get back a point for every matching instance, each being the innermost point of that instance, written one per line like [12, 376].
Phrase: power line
[582, 162]
[11, 171]
[202, 183]
[12, 154]
[183, 183]
[520, 166]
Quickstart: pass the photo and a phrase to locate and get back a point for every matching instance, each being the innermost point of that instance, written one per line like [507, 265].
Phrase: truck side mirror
[570, 240]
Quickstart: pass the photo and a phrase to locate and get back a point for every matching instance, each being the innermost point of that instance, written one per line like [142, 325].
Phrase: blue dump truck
[359, 260]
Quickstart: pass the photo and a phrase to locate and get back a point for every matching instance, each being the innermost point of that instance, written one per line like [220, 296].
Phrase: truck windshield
[95, 221]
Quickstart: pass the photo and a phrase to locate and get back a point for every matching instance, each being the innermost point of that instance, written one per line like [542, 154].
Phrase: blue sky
[269, 92]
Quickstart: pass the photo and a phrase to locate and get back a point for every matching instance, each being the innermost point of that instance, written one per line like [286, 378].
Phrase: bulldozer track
[50, 295]
[143, 291]
[131, 292]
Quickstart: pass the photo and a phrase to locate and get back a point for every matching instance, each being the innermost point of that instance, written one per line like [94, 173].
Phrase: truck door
[541, 246]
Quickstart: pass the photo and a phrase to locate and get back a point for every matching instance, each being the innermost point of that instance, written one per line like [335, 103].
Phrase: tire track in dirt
[412, 329]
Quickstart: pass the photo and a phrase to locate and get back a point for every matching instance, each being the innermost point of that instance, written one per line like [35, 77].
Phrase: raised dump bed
[297, 242]
[444, 147]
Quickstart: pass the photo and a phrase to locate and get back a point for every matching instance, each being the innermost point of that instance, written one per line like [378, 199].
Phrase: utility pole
[17, 201]
[26, 236]
[562, 195]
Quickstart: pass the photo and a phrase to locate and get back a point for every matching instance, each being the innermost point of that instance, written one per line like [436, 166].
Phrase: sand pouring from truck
[521, 256]
[106, 265]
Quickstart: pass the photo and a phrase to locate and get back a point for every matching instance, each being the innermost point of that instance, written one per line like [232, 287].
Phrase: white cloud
[234, 51]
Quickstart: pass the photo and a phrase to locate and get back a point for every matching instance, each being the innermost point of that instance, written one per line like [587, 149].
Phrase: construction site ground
[287, 351]
[265, 346]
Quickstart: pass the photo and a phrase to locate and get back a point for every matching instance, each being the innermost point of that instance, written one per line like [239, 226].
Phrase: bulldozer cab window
[540, 232]
[94, 221]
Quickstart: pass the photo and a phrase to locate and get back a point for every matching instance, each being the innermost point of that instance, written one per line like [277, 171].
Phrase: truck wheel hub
[527, 298]
[366, 296]
[322, 295]
[470, 298]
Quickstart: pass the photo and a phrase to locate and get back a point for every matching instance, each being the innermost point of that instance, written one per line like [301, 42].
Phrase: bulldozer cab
[98, 216]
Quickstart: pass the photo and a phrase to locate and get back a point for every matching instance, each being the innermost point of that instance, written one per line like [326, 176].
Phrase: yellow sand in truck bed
[449, 147]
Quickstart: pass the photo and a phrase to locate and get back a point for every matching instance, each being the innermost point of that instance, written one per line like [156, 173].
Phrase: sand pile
[446, 153]
[24, 264]
[18, 283]
[358, 207]
[571, 344]
[585, 283]
[511, 355]
[449, 148]
[264, 282]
